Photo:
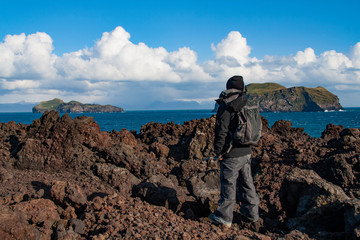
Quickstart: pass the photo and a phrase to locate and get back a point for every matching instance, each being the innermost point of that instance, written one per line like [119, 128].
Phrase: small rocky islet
[60, 106]
[64, 178]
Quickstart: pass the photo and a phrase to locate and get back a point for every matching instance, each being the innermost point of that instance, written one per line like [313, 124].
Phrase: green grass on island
[50, 105]
[263, 88]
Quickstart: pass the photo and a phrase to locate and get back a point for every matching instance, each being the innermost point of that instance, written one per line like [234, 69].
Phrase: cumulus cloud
[116, 70]
[334, 60]
[305, 57]
[355, 55]
[114, 57]
[232, 50]
[184, 63]
[27, 56]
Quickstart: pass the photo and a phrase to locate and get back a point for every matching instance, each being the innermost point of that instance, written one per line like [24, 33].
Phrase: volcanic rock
[120, 178]
[13, 225]
[318, 207]
[63, 178]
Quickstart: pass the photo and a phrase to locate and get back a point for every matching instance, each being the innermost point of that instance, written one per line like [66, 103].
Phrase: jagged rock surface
[63, 178]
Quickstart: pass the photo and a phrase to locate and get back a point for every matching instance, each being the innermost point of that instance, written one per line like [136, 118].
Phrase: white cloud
[232, 50]
[116, 69]
[305, 57]
[334, 60]
[19, 84]
[355, 55]
[347, 87]
[111, 44]
[115, 58]
[6, 61]
[183, 62]
[27, 56]
[31, 95]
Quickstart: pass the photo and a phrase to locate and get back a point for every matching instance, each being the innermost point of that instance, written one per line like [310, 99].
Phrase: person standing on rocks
[235, 160]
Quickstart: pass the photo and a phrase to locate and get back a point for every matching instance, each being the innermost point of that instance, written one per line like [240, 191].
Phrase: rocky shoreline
[63, 178]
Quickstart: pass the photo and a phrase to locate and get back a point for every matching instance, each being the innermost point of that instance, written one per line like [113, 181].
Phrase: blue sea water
[313, 123]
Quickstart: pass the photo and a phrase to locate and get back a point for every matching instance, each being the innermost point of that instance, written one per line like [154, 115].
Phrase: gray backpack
[248, 129]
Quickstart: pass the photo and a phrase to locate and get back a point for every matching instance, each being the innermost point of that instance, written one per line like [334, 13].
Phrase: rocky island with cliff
[73, 107]
[273, 97]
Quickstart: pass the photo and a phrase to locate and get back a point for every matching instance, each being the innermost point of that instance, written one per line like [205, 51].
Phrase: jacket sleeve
[221, 129]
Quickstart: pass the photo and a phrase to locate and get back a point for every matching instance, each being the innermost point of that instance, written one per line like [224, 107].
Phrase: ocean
[314, 123]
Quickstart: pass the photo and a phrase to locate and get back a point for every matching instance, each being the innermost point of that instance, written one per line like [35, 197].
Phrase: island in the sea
[73, 107]
[273, 97]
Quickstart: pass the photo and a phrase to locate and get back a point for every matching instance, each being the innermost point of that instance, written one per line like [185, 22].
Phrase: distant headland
[273, 97]
[73, 107]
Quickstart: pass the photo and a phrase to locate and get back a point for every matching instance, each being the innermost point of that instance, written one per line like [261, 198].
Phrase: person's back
[230, 102]
[235, 160]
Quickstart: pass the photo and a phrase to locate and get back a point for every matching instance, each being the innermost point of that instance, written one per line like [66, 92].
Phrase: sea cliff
[63, 178]
[273, 97]
[73, 107]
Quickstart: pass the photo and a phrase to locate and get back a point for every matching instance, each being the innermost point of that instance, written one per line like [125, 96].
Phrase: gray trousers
[236, 173]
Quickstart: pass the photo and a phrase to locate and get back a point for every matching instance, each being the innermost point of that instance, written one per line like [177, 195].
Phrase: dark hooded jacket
[230, 102]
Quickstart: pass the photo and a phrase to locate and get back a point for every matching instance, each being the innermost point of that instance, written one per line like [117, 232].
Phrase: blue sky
[185, 50]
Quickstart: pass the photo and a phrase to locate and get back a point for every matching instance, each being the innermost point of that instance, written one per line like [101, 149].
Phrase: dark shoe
[219, 221]
[249, 219]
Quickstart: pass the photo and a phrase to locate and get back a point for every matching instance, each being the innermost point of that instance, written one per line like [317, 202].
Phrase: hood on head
[234, 98]
[235, 82]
